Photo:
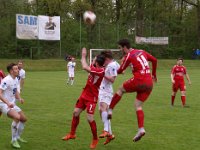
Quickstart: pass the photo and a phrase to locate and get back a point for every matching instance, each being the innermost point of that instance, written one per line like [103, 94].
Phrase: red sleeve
[172, 71]
[97, 71]
[154, 63]
[125, 64]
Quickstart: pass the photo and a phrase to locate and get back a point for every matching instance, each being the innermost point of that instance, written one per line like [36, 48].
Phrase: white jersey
[9, 87]
[111, 70]
[71, 65]
[21, 74]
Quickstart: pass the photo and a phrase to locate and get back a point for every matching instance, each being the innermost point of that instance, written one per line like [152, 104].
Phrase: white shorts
[106, 98]
[71, 74]
[5, 109]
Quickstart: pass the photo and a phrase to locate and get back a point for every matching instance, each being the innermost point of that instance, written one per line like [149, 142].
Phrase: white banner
[26, 26]
[152, 40]
[49, 27]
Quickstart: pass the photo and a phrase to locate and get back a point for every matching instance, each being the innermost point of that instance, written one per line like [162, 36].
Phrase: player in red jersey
[2, 75]
[89, 97]
[141, 82]
[177, 78]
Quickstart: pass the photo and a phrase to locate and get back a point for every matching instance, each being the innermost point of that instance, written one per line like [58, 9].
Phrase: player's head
[50, 19]
[108, 56]
[180, 61]
[20, 64]
[100, 60]
[13, 69]
[72, 58]
[124, 45]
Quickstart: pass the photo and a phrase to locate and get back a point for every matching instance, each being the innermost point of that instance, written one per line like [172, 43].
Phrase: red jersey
[178, 72]
[91, 90]
[2, 75]
[138, 59]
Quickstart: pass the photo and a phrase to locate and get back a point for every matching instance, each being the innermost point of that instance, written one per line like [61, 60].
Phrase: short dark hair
[180, 58]
[10, 66]
[124, 42]
[107, 54]
[100, 59]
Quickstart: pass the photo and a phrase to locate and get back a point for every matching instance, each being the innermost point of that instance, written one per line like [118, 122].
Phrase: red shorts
[178, 85]
[83, 103]
[143, 87]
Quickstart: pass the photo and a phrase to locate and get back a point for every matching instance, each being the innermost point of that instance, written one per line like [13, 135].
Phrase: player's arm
[5, 100]
[17, 96]
[188, 78]
[125, 63]
[172, 78]
[153, 60]
[22, 83]
[83, 60]
[110, 78]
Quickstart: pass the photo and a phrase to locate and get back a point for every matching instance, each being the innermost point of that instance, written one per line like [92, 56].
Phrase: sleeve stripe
[97, 72]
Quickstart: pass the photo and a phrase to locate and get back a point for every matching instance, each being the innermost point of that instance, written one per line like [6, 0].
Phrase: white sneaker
[139, 135]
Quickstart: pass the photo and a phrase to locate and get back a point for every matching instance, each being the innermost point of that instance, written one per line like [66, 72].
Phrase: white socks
[20, 128]
[17, 129]
[107, 124]
[14, 131]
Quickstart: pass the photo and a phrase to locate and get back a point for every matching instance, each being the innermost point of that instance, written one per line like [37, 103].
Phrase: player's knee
[23, 119]
[90, 117]
[121, 91]
[75, 113]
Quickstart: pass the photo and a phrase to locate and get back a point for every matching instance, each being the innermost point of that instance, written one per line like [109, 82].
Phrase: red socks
[116, 98]
[93, 127]
[183, 100]
[172, 100]
[75, 122]
[140, 118]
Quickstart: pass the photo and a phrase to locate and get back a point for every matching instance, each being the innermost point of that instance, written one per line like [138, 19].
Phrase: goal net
[117, 54]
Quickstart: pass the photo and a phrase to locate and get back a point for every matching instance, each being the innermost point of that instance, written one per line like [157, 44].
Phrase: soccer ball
[89, 17]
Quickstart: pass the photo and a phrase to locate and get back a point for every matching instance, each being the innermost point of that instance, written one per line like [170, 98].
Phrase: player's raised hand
[84, 52]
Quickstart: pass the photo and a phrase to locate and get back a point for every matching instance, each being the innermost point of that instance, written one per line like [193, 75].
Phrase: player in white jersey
[106, 93]
[21, 76]
[8, 96]
[70, 69]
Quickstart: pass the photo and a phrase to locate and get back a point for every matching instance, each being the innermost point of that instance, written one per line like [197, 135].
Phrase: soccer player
[177, 77]
[106, 93]
[21, 76]
[89, 96]
[2, 75]
[70, 69]
[141, 83]
[8, 96]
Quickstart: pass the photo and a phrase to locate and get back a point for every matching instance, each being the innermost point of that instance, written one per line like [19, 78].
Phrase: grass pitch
[49, 104]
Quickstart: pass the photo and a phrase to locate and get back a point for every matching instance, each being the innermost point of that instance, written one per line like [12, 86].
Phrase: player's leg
[174, 91]
[74, 124]
[72, 80]
[90, 117]
[68, 79]
[20, 126]
[183, 92]
[79, 107]
[104, 117]
[140, 119]
[127, 86]
[11, 113]
[144, 89]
